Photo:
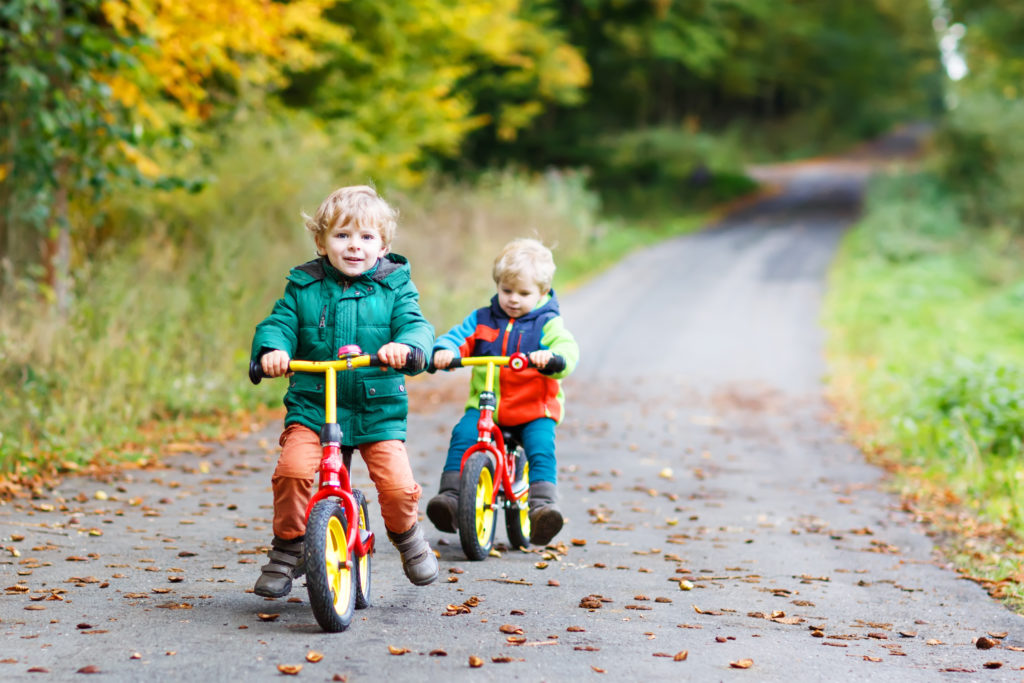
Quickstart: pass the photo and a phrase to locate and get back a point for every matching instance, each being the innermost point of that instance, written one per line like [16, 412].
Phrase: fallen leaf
[553, 582]
[438, 653]
[289, 669]
[869, 658]
[509, 628]
[742, 664]
[90, 669]
[998, 635]
[712, 612]
[267, 617]
[681, 656]
[579, 541]
[596, 669]
[933, 641]
[993, 665]
[984, 643]
[575, 629]
[313, 656]
[475, 662]
[398, 650]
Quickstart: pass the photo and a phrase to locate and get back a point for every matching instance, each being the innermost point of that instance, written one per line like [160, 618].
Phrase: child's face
[352, 250]
[517, 296]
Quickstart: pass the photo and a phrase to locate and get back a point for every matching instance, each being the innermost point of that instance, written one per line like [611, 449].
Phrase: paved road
[712, 509]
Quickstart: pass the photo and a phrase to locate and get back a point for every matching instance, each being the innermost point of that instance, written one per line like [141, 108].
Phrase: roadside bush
[668, 167]
[968, 409]
[981, 156]
[926, 341]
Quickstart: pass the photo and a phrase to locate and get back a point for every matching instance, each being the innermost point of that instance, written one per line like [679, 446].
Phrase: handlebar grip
[255, 372]
[415, 361]
[456, 363]
[556, 364]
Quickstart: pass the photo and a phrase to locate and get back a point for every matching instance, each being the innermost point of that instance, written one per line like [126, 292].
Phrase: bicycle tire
[517, 513]
[363, 566]
[330, 577]
[477, 515]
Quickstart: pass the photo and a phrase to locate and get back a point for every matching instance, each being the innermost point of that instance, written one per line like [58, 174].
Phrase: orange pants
[293, 480]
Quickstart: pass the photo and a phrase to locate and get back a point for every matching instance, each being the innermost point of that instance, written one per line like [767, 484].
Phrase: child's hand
[443, 358]
[540, 358]
[275, 363]
[393, 354]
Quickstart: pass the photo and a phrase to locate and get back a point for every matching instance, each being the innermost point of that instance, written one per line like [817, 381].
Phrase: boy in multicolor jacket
[356, 292]
[523, 316]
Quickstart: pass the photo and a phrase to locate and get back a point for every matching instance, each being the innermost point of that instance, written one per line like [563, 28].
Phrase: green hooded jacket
[323, 310]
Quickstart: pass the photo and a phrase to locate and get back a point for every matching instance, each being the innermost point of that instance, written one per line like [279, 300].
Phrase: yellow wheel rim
[364, 561]
[484, 507]
[339, 576]
[524, 506]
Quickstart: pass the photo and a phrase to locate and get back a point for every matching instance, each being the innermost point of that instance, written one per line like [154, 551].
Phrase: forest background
[155, 156]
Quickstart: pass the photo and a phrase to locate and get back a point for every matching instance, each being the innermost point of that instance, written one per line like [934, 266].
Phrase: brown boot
[545, 517]
[418, 560]
[286, 563]
[443, 509]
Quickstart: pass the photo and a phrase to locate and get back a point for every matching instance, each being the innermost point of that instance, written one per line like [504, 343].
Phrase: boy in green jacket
[356, 292]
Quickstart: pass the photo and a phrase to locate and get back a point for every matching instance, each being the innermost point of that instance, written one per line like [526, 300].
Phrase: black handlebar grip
[415, 361]
[556, 364]
[456, 363]
[255, 372]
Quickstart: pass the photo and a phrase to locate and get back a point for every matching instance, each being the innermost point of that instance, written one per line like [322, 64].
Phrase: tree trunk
[57, 245]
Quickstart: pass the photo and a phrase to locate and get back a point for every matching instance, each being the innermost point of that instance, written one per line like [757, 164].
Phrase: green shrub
[981, 156]
[668, 167]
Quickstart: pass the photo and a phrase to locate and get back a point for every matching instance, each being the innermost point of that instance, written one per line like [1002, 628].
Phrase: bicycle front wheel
[363, 565]
[476, 507]
[330, 573]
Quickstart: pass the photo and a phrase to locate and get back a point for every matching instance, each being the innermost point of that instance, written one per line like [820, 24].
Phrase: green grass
[927, 356]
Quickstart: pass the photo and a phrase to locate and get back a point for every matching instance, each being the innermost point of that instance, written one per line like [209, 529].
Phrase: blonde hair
[357, 205]
[527, 259]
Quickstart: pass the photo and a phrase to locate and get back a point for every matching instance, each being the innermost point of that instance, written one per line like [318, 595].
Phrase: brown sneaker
[286, 563]
[545, 517]
[418, 560]
[443, 509]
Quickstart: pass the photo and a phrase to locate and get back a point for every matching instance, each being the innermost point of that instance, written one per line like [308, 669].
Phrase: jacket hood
[392, 270]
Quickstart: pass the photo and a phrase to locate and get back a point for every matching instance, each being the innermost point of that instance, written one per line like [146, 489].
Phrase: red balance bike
[495, 472]
[339, 543]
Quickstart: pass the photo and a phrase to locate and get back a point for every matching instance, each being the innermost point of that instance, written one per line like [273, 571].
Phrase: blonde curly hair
[528, 259]
[357, 205]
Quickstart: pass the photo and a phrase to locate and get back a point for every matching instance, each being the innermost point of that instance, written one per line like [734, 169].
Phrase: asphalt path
[719, 525]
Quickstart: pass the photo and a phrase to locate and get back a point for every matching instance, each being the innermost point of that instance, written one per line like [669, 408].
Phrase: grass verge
[927, 350]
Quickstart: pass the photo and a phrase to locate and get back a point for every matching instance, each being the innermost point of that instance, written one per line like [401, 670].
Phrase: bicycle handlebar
[517, 361]
[414, 362]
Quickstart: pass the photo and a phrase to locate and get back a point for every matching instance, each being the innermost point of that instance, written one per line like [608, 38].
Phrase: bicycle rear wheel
[517, 512]
[476, 507]
[330, 574]
[363, 578]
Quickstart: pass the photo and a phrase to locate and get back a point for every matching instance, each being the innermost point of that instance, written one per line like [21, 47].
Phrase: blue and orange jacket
[526, 395]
